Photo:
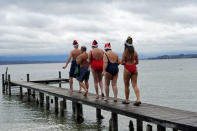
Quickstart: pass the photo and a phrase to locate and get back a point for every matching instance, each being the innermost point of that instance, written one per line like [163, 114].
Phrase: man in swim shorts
[73, 55]
[84, 71]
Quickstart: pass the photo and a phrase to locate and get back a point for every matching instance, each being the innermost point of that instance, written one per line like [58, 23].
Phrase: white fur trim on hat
[128, 44]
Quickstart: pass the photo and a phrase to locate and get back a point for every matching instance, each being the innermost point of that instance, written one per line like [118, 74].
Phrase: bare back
[97, 53]
[74, 53]
[82, 60]
[131, 61]
[113, 57]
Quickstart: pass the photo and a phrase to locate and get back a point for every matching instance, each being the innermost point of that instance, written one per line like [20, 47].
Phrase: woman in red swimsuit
[96, 62]
[130, 60]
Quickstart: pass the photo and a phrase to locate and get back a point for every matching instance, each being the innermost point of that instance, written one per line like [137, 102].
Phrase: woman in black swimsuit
[110, 71]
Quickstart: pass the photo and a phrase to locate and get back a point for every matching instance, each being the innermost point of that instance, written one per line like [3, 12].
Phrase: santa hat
[129, 41]
[107, 46]
[95, 44]
[75, 43]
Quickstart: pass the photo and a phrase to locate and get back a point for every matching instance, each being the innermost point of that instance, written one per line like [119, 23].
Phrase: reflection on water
[169, 83]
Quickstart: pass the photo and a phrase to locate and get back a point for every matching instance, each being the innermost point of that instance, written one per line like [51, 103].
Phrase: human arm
[119, 61]
[79, 59]
[123, 59]
[105, 62]
[68, 60]
[136, 58]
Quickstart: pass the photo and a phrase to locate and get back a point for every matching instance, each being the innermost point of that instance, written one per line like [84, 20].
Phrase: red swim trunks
[131, 68]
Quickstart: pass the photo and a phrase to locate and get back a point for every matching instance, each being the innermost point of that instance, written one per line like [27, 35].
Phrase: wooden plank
[163, 116]
[49, 81]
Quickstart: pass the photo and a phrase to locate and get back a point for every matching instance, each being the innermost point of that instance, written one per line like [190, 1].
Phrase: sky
[48, 27]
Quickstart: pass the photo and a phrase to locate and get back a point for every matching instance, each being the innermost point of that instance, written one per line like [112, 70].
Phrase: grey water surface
[171, 83]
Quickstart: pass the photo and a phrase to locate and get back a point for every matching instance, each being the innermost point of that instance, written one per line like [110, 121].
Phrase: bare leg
[84, 87]
[107, 82]
[71, 84]
[134, 84]
[87, 84]
[80, 88]
[100, 77]
[114, 87]
[95, 76]
[126, 83]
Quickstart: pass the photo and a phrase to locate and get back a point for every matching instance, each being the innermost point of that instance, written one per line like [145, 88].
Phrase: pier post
[149, 127]
[139, 125]
[98, 113]
[3, 83]
[79, 112]
[28, 95]
[65, 104]
[34, 94]
[131, 127]
[21, 92]
[73, 106]
[62, 108]
[28, 91]
[41, 95]
[9, 85]
[6, 78]
[161, 128]
[113, 122]
[60, 76]
[47, 102]
[56, 104]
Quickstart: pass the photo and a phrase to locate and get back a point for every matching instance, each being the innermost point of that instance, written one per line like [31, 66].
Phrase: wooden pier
[163, 117]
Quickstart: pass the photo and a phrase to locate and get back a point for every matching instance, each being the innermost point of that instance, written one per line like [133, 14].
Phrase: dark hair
[83, 48]
[129, 50]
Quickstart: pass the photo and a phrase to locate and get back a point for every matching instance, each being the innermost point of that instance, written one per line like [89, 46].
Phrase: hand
[64, 67]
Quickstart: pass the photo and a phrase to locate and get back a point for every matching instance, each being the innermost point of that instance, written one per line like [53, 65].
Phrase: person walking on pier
[73, 55]
[130, 60]
[84, 70]
[95, 58]
[110, 71]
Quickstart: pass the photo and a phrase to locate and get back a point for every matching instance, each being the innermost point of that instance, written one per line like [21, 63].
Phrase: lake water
[170, 83]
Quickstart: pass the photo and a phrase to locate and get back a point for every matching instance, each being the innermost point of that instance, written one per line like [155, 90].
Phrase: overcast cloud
[42, 27]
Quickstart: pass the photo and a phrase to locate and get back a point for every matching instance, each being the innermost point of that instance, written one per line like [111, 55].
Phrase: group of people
[104, 63]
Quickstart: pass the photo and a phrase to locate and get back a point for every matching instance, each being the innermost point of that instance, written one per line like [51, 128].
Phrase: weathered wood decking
[163, 116]
[49, 81]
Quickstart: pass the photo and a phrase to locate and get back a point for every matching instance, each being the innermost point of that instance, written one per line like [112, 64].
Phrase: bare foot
[71, 90]
[85, 94]
[97, 96]
[103, 95]
[106, 99]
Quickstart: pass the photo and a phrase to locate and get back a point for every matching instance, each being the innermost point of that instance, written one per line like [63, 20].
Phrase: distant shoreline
[180, 56]
[27, 62]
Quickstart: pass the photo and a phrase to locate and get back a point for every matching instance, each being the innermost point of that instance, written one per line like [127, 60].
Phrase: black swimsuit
[112, 68]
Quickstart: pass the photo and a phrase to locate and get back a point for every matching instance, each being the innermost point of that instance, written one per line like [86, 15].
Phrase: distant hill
[32, 59]
[180, 56]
